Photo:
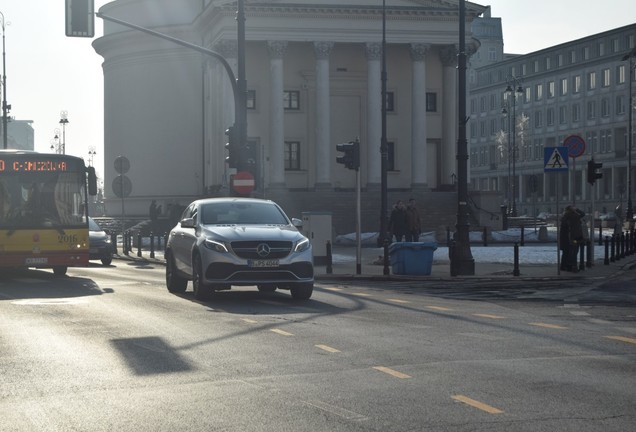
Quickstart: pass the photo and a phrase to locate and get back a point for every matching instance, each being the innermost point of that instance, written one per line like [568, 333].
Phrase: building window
[292, 155]
[473, 102]
[291, 100]
[548, 63]
[390, 147]
[390, 101]
[551, 89]
[538, 119]
[564, 86]
[549, 117]
[482, 129]
[577, 84]
[615, 45]
[493, 126]
[560, 60]
[563, 114]
[536, 66]
[606, 140]
[621, 106]
[576, 113]
[591, 110]
[431, 102]
[528, 94]
[620, 74]
[482, 104]
[606, 77]
[251, 100]
[573, 56]
[605, 107]
[601, 49]
[492, 54]
[538, 90]
[586, 53]
[591, 80]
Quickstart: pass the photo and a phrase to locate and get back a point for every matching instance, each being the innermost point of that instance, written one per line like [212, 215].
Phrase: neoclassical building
[313, 71]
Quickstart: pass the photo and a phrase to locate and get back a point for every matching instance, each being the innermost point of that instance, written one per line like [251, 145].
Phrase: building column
[373, 51]
[448, 167]
[419, 145]
[323, 111]
[277, 115]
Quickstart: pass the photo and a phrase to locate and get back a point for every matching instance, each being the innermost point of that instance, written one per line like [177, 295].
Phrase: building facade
[577, 88]
[314, 80]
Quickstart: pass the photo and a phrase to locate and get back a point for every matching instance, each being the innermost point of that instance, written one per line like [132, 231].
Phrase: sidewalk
[536, 262]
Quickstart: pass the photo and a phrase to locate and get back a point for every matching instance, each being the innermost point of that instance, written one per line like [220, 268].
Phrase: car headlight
[215, 246]
[302, 245]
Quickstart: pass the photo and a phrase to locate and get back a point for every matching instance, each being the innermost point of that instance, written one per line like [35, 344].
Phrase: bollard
[451, 257]
[152, 245]
[515, 270]
[125, 242]
[522, 235]
[485, 236]
[385, 270]
[600, 233]
[329, 258]
[613, 248]
[607, 260]
[581, 257]
[588, 248]
[448, 237]
[113, 242]
[139, 243]
[622, 243]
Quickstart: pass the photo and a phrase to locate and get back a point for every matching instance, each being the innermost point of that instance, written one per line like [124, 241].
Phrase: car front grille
[233, 273]
[262, 249]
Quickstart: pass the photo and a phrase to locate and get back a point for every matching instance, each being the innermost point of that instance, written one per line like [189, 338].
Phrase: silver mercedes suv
[220, 242]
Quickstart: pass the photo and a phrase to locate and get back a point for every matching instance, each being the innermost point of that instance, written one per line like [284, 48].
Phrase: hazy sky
[48, 72]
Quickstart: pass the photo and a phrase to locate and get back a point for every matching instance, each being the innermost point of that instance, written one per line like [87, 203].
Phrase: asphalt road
[109, 349]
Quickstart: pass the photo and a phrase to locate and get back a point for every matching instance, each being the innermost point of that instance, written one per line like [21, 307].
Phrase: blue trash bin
[412, 258]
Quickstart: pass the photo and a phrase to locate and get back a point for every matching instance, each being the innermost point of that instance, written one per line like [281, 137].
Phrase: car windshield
[92, 225]
[242, 213]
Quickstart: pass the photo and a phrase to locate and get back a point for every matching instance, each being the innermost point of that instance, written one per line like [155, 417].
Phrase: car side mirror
[297, 222]
[187, 223]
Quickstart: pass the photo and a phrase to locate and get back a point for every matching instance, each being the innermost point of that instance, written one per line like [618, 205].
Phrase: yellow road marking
[550, 326]
[391, 372]
[398, 300]
[622, 339]
[361, 294]
[439, 308]
[476, 404]
[282, 332]
[490, 316]
[327, 348]
[333, 289]
[251, 321]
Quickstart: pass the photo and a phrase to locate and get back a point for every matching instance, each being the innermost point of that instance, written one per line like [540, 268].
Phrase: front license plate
[36, 261]
[262, 263]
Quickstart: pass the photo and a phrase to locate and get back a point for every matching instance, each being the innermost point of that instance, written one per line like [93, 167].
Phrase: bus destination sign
[33, 165]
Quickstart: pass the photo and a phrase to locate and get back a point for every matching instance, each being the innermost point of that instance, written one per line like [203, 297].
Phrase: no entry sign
[243, 182]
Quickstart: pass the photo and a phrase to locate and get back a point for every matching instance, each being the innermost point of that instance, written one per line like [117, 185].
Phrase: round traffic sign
[122, 186]
[575, 145]
[243, 182]
[122, 164]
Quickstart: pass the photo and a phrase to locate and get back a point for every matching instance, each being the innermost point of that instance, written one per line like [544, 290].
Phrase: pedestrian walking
[397, 221]
[571, 237]
[413, 222]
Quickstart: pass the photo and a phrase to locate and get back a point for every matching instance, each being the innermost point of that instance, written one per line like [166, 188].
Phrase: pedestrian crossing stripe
[555, 159]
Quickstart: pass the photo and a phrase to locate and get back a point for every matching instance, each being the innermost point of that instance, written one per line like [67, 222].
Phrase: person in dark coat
[570, 237]
[413, 221]
[397, 221]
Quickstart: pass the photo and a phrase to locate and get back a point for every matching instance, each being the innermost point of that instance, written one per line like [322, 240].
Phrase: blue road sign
[555, 159]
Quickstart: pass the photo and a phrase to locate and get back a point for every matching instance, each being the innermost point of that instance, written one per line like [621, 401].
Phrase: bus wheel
[59, 270]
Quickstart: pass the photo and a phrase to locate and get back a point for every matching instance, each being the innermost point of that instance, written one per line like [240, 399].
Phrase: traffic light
[80, 18]
[351, 157]
[592, 173]
[233, 157]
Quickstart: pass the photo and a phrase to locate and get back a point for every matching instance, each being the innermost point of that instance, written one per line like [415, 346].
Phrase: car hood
[252, 232]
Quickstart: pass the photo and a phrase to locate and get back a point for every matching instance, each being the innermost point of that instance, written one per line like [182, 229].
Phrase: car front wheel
[201, 290]
[302, 291]
[174, 282]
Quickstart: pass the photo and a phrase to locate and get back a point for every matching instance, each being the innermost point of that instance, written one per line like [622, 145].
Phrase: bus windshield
[42, 199]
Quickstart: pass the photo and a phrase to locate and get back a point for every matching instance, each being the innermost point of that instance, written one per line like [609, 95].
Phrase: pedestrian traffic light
[592, 173]
[80, 18]
[351, 157]
[233, 157]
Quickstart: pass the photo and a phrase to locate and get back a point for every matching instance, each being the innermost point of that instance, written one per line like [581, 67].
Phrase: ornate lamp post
[63, 122]
[514, 89]
[5, 106]
[55, 142]
[630, 135]
[506, 114]
[91, 155]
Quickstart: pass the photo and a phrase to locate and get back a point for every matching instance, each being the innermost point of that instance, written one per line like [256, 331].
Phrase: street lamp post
[55, 142]
[513, 89]
[63, 122]
[5, 106]
[91, 155]
[506, 114]
[630, 134]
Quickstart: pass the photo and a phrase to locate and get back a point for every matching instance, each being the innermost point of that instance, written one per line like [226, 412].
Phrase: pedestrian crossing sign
[555, 159]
